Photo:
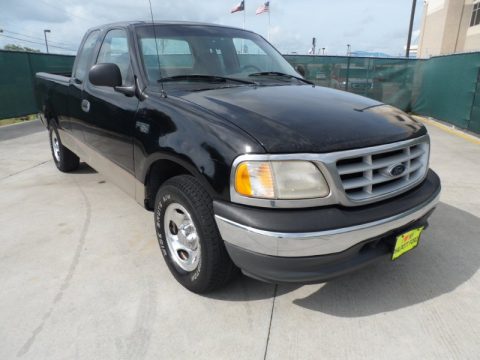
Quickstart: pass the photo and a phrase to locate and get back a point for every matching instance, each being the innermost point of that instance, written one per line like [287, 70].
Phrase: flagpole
[268, 33]
[244, 12]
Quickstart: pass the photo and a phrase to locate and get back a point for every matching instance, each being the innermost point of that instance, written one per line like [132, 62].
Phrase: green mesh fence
[386, 80]
[17, 79]
[446, 87]
[474, 122]
[449, 90]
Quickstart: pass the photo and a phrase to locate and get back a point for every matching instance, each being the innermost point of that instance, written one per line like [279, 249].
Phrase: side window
[115, 50]
[85, 55]
[250, 54]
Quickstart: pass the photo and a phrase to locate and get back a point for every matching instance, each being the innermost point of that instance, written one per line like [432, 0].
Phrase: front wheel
[188, 236]
[64, 159]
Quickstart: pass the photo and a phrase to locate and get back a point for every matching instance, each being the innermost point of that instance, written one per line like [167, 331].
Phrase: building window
[475, 14]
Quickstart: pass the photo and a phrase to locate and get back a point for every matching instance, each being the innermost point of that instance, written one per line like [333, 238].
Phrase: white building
[449, 26]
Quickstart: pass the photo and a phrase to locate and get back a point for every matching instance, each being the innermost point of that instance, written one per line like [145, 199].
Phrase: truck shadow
[447, 257]
[84, 168]
[245, 288]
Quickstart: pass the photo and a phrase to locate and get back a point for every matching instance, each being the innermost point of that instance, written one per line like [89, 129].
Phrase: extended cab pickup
[245, 164]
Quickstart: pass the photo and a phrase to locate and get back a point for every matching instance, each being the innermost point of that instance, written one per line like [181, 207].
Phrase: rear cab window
[251, 55]
[174, 55]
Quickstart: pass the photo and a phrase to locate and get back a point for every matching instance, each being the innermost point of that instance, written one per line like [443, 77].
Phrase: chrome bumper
[315, 243]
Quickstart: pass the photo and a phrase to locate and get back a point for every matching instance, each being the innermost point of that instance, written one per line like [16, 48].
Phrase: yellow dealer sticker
[406, 242]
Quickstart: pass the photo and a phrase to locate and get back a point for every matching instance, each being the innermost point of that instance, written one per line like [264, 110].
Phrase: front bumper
[268, 243]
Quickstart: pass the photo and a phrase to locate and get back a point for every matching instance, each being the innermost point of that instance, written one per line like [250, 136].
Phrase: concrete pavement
[82, 277]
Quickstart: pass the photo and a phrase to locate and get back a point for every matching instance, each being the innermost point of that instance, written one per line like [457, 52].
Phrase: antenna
[164, 94]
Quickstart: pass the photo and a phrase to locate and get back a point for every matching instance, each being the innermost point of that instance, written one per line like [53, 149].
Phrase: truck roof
[140, 22]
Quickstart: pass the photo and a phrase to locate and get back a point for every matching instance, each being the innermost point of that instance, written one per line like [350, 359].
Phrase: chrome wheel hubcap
[182, 237]
[56, 146]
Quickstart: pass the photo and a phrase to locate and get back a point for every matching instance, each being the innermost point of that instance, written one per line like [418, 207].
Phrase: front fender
[203, 144]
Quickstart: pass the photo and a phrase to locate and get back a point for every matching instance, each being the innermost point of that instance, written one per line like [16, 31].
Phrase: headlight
[280, 180]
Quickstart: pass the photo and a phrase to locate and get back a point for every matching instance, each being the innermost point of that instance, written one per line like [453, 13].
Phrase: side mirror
[300, 69]
[106, 74]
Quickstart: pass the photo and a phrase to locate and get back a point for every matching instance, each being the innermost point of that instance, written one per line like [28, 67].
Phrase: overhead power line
[35, 42]
[36, 38]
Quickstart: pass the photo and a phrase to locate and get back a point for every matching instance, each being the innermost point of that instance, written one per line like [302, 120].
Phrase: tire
[64, 159]
[183, 208]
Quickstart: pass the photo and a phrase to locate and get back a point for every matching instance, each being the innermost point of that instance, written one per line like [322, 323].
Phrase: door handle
[85, 105]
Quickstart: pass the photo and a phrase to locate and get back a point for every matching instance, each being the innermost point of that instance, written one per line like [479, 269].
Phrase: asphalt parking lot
[82, 277]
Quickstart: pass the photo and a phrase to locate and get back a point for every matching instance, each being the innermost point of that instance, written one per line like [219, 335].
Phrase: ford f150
[245, 164]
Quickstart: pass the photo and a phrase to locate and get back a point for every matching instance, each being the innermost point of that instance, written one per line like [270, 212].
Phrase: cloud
[25, 10]
[363, 23]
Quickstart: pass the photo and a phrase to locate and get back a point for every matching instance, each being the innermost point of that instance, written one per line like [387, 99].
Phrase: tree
[13, 47]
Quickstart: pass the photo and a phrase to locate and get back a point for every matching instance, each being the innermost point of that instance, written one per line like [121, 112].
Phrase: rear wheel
[64, 159]
[188, 236]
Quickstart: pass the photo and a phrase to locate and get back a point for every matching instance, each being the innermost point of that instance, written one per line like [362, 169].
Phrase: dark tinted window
[85, 55]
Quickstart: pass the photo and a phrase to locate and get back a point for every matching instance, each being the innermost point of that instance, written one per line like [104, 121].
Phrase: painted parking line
[449, 129]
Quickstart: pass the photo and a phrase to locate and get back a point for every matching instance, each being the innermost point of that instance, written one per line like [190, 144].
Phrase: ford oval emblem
[396, 170]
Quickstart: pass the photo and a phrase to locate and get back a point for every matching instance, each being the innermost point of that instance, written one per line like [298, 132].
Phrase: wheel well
[49, 118]
[159, 172]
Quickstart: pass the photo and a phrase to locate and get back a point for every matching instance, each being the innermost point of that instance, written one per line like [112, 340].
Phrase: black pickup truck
[245, 164]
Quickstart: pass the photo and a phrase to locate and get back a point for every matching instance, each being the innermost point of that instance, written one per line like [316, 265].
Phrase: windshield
[186, 50]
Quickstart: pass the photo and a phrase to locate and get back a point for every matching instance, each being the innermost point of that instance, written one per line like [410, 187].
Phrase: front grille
[376, 174]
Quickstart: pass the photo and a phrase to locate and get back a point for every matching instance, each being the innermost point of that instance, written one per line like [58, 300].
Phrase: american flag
[264, 8]
[239, 7]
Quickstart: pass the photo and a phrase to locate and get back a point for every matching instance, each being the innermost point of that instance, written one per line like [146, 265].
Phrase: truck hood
[303, 118]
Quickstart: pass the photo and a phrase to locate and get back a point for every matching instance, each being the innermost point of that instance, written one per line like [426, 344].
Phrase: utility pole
[410, 28]
[45, 35]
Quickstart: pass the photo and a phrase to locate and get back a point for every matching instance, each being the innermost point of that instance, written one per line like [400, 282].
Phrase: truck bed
[63, 78]
[52, 88]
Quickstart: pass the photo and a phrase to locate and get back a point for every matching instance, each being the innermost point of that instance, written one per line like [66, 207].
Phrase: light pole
[323, 51]
[410, 28]
[348, 49]
[45, 35]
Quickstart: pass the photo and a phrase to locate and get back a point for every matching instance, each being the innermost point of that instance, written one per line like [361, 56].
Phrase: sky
[368, 25]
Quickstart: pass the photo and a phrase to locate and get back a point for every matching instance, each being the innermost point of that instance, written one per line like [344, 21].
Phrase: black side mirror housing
[105, 74]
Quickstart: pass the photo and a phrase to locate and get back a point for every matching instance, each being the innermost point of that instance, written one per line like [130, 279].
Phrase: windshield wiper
[207, 78]
[280, 74]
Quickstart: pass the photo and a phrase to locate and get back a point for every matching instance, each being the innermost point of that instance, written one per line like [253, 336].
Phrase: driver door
[110, 122]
